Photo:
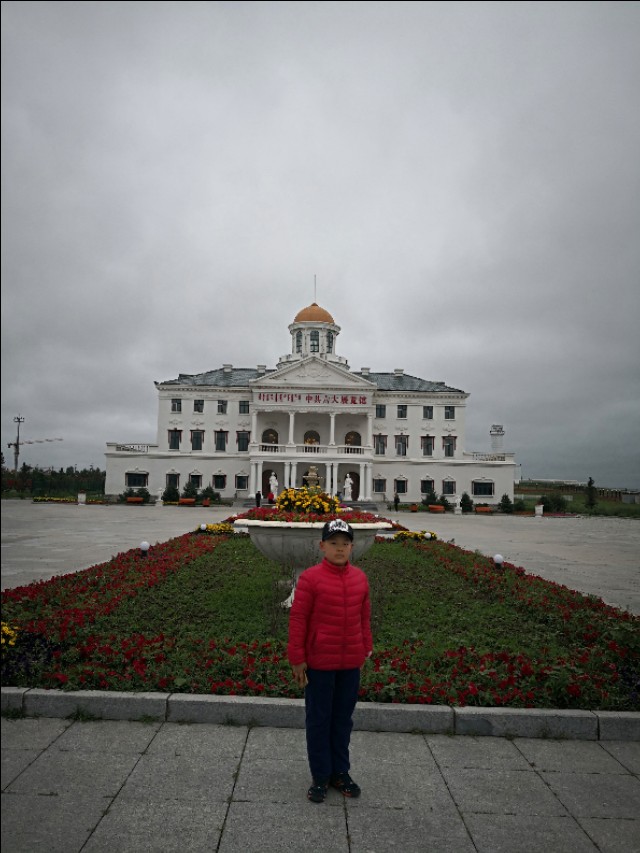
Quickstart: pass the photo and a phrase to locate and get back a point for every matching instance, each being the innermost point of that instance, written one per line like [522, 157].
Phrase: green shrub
[190, 490]
[506, 504]
[466, 504]
[171, 495]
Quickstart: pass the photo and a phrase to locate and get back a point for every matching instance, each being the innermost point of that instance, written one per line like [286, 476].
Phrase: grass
[202, 614]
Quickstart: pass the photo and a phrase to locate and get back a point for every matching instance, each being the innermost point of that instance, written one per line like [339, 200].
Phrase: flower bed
[520, 641]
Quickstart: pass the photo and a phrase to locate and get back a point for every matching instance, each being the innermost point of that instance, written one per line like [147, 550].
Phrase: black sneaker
[318, 791]
[345, 784]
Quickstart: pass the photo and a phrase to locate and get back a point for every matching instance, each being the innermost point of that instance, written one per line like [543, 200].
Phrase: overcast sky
[462, 179]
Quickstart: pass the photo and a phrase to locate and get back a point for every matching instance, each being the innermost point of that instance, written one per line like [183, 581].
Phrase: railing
[132, 448]
[315, 449]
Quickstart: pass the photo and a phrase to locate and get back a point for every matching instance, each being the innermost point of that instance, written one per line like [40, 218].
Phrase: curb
[289, 713]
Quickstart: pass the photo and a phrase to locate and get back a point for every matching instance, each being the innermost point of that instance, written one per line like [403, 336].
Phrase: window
[484, 489]
[269, 436]
[198, 406]
[242, 482]
[449, 413]
[381, 411]
[176, 405]
[219, 481]
[426, 486]
[329, 341]
[402, 443]
[243, 407]
[221, 440]
[136, 480]
[315, 341]
[222, 407]
[402, 412]
[427, 442]
[427, 413]
[448, 487]
[379, 485]
[449, 445]
[175, 436]
[173, 481]
[353, 440]
[400, 487]
[242, 438]
[380, 445]
[197, 439]
[196, 480]
[298, 341]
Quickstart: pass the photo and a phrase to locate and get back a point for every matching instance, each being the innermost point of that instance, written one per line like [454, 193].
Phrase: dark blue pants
[330, 697]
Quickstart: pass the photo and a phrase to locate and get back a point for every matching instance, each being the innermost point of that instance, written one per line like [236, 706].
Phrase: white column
[370, 430]
[294, 466]
[328, 485]
[259, 477]
[363, 482]
[369, 480]
[254, 427]
[332, 430]
[252, 480]
[292, 417]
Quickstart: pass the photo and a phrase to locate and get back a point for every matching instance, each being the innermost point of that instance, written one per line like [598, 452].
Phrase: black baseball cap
[336, 526]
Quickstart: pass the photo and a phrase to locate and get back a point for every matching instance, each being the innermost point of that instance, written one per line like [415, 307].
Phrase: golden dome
[313, 314]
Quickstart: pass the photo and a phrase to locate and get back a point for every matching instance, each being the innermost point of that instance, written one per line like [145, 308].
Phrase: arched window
[353, 440]
[270, 436]
[311, 441]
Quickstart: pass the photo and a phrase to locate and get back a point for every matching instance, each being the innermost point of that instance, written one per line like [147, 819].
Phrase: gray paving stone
[262, 827]
[12, 698]
[611, 835]
[515, 792]
[236, 710]
[55, 824]
[180, 777]
[374, 717]
[14, 761]
[276, 743]
[400, 786]
[409, 830]
[113, 736]
[31, 733]
[476, 752]
[493, 833]
[163, 826]
[597, 795]
[199, 740]
[626, 752]
[392, 748]
[276, 780]
[568, 756]
[56, 772]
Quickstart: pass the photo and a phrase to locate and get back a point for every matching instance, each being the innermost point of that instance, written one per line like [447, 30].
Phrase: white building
[233, 428]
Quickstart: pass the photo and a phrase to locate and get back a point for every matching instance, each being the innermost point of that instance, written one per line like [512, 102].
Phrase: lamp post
[144, 549]
[498, 562]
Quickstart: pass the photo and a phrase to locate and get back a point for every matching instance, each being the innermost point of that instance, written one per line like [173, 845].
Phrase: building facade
[362, 435]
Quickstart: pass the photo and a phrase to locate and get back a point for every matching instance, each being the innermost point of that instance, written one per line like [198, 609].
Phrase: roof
[405, 382]
[240, 377]
[313, 314]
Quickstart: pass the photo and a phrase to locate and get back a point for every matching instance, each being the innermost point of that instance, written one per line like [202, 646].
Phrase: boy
[329, 640]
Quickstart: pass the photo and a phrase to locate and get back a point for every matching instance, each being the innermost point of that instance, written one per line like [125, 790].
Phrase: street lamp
[498, 562]
[144, 549]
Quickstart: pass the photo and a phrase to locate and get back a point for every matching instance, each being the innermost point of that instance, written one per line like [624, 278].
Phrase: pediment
[313, 373]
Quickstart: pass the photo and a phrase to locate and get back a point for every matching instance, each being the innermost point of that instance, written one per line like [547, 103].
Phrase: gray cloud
[462, 179]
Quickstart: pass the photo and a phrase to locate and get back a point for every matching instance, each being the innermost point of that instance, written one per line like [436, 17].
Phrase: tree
[505, 505]
[466, 504]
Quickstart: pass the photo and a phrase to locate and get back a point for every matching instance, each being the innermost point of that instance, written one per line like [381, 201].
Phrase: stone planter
[436, 508]
[484, 510]
[296, 544]
[206, 501]
[135, 500]
[187, 502]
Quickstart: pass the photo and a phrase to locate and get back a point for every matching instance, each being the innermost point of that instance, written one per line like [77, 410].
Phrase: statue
[273, 485]
[348, 483]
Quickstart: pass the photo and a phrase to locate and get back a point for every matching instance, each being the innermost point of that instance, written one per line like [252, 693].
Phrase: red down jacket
[330, 619]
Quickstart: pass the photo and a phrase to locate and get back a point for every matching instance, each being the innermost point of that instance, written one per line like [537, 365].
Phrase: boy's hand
[300, 674]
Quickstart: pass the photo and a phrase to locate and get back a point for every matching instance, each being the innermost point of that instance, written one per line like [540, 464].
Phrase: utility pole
[17, 444]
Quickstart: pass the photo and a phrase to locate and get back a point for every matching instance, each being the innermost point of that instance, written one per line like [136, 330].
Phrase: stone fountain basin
[297, 543]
